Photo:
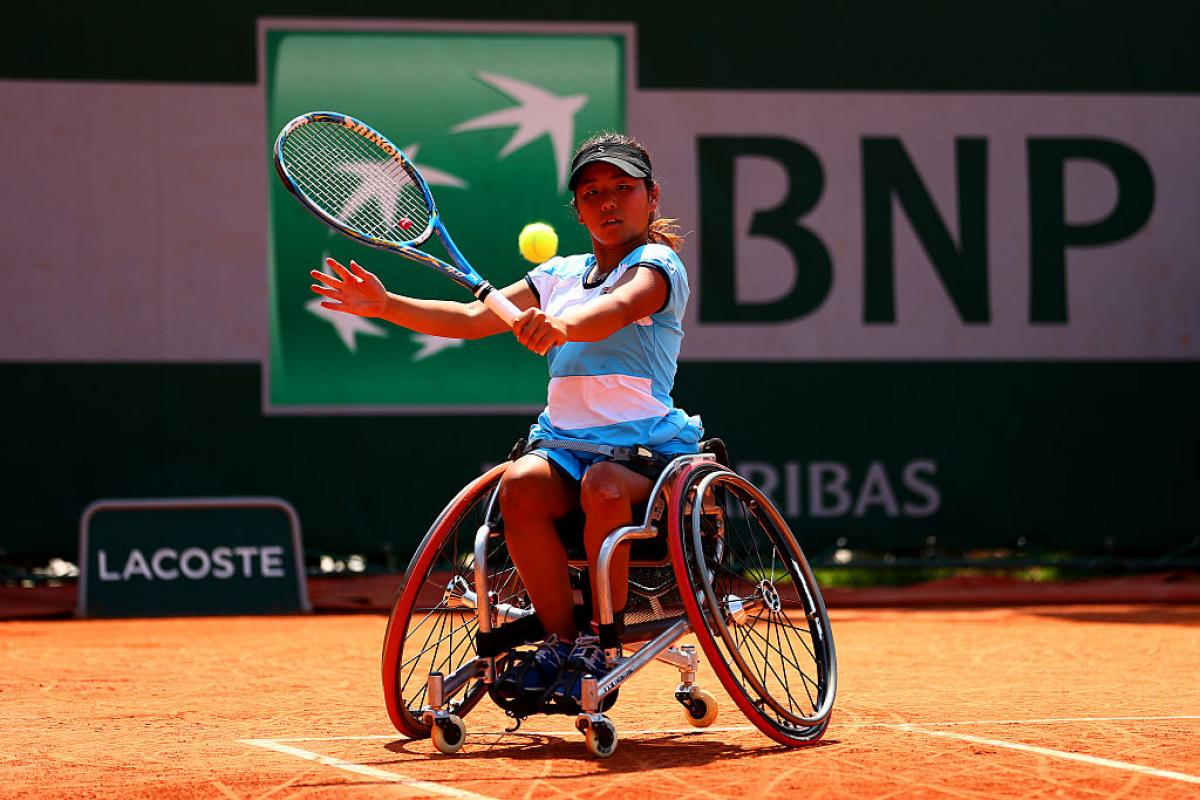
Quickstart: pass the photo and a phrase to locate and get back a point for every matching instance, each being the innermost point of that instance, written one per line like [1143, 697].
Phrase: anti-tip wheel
[601, 738]
[449, 734]
[701, 709]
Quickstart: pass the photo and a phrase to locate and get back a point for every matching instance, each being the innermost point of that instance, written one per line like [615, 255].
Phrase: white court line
[373, 772]
[435, 788]
[1045, 751]
[370, 772]
[743, 728]
[1048, 721]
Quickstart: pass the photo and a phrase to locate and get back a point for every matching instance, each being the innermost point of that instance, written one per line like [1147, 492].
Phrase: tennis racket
[354, 180]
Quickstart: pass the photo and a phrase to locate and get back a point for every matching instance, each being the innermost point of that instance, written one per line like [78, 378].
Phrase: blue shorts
[573, 463]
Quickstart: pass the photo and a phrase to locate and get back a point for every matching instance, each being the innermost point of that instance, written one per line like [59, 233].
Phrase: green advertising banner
[491, 119]
[190, 556]
[932, 310]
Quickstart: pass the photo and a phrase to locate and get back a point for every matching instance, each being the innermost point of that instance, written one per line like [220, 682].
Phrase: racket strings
[324, 157]
[331, 149]
[390, 176]
[344, 174]
[375, 178]
[310, 160]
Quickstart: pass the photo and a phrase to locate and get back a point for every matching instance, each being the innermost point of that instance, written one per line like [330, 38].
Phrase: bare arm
[354, 290]
[639, 293]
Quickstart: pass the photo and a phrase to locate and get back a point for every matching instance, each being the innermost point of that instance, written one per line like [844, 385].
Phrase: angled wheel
[753, 603]
[601, 738]
[431, 628]
[449, 734]
[700, 709]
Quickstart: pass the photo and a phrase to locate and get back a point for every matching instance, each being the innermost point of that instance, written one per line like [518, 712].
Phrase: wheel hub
[770, 595]
[458, 593]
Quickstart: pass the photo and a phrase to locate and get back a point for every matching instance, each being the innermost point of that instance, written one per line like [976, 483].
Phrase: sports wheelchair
[712, 557]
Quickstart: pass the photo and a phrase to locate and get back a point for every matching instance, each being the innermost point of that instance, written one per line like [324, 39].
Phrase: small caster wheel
[449, 734]
[700, 709]
[601, 738]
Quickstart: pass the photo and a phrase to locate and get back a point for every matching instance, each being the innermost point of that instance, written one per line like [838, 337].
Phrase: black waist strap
[616, 453]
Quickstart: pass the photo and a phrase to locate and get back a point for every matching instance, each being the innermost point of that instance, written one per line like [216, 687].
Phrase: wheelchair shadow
[632, 754]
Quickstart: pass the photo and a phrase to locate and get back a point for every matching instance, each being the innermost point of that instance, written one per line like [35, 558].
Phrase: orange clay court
[1050, 701]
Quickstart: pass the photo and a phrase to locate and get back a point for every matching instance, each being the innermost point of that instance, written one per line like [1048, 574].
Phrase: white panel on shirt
[588, 401]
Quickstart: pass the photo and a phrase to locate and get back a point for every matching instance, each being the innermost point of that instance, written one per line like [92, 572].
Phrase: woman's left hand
[539, 331]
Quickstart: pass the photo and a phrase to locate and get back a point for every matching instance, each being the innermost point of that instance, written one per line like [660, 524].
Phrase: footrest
[509, 635]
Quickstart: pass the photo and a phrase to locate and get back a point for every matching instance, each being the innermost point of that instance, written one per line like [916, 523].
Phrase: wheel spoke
[433, 637]
[783, 670]
[425, 648]
[763, 646]
[799, 668]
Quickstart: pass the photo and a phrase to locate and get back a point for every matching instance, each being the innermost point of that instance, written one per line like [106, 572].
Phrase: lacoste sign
[174, 557]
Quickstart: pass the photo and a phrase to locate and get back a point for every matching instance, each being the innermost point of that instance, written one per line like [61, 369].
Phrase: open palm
[351, 289]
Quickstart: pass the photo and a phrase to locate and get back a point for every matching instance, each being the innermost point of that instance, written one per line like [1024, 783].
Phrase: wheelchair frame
[699, 473]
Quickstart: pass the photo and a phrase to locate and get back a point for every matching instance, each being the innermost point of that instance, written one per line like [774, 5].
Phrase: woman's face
[614, 207]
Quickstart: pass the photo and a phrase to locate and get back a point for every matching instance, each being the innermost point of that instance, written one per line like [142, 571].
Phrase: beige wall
[133, 224]
[133, 227]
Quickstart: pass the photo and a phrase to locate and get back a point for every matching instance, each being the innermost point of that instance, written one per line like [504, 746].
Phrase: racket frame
[461, 271]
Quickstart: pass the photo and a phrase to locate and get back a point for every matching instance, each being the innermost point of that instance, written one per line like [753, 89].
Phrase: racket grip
[502, 306]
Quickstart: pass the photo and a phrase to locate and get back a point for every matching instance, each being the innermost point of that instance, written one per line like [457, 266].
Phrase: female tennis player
[609, 323]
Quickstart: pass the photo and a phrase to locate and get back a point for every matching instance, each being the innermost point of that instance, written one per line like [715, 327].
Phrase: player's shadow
[634, 754]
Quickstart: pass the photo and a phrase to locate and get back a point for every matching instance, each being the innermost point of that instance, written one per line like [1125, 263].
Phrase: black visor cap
[623, 157]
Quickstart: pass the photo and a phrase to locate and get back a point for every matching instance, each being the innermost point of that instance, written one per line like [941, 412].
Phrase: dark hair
[662, 230]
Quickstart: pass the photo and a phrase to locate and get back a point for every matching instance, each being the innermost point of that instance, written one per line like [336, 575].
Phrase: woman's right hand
[539, 331]
[354, 290]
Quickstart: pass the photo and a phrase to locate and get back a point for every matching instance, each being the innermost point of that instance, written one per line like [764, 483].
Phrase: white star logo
[346, 325]
[377, 181]
[432, 175]
[539, 112]
[432, 345]
[375, 184]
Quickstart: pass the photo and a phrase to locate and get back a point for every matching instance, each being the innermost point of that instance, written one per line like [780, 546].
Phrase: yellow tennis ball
[538, 242]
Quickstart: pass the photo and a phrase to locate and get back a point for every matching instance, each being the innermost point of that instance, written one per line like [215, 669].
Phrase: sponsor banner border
[267, 25]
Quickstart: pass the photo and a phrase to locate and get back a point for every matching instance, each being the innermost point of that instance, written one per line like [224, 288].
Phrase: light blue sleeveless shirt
[616, 391]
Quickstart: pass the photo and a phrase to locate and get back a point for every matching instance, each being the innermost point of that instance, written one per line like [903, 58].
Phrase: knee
[602, 493]
[522, 493]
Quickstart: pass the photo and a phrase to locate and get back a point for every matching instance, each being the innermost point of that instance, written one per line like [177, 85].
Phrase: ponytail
[664, 231]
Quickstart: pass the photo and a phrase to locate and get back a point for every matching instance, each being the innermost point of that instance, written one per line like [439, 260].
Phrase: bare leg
[532, 495]
[608, 494]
